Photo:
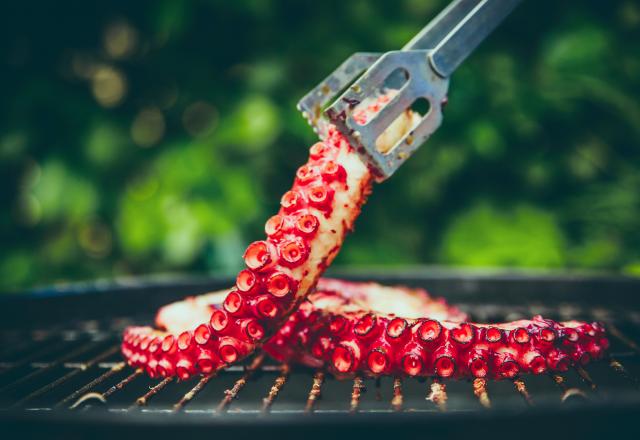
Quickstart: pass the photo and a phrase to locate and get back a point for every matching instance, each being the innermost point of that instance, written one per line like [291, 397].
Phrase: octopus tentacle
[302, 240]
[365, 328]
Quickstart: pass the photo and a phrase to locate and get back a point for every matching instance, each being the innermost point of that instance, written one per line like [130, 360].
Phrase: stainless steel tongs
[420, 71]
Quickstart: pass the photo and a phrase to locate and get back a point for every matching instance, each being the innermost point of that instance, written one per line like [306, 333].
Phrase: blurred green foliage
[154, 136]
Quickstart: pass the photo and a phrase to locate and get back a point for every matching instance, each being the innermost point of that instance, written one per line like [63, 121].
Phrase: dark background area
[157, 136]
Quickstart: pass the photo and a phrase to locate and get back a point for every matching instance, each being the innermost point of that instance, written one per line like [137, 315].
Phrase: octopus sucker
[370, 330]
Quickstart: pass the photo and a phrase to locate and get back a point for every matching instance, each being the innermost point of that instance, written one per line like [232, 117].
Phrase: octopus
[371, 330]
[281, 304]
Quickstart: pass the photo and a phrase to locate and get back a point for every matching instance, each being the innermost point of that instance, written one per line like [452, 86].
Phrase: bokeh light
[120, 39]
[109, 86]
[148, 127]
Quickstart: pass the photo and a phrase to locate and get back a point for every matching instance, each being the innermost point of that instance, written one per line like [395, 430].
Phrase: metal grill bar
[480, 391]
[21, 363]
[521, 388]
[60, 361]
[193, 392]
[231, 394]
[98, 380]
[586, 378]
[314, 394]
[438, 394]
[356, 392]
[614, 331]
[123, 383]
[50, 386]
[397, 400]
[144, 399]
[275, 389]
[103, 397]
[620, 369]
[566, 391]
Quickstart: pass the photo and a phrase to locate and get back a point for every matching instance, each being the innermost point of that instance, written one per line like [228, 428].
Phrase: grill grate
[32, 381]
[77, 370]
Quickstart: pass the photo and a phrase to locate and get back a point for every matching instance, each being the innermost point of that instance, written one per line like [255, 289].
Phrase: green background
[157, 136]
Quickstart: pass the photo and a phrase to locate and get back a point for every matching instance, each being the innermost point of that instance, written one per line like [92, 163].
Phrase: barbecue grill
[61, 372]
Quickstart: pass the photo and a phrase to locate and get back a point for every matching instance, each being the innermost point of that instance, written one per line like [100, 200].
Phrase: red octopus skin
[365, 328]
[302, 241]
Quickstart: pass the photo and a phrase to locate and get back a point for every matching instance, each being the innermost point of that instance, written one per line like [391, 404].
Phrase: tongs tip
[425, 62]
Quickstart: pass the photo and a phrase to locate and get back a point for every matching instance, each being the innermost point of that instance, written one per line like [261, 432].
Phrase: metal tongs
[421, 70]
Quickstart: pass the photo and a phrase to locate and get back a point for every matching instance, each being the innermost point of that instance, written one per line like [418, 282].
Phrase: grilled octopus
[349, 328]
[365, 328]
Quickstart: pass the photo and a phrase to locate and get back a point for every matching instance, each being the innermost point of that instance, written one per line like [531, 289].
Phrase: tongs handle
[458, 30]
